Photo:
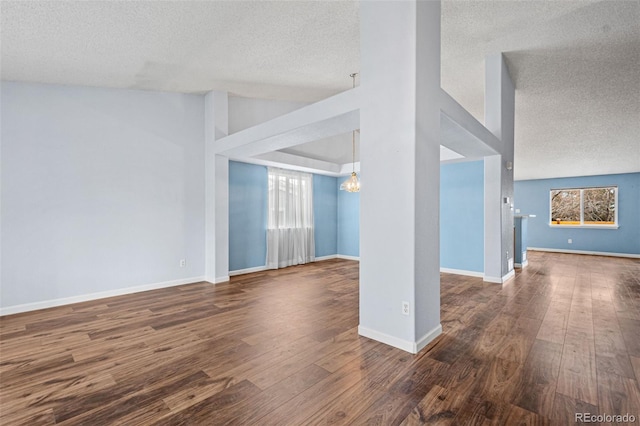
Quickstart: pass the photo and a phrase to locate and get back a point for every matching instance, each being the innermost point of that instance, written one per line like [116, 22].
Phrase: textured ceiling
[576, 65]
[265, 49]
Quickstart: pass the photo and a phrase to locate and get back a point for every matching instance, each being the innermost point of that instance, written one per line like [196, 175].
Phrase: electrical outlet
[405, 308]
[570, 241]
[183, 263]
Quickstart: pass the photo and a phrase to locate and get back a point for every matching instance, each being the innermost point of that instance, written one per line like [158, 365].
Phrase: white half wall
[102, 190]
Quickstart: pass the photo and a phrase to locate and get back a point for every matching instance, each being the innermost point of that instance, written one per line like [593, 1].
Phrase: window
[290, 230]
[585, 207]
[290, 199]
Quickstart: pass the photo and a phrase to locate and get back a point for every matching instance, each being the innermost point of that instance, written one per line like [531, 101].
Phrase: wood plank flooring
[281, 348]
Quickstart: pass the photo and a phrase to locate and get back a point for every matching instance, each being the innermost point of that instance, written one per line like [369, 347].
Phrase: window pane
[290, 199]
[600, 206]
[565, 207]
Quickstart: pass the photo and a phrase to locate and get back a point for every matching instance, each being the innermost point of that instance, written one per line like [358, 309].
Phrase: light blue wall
[248, 198]
[102, 190]
[462, 216]
[348, 221]
[532, 197]
[337, 217]
[247, 215]
[325, 215]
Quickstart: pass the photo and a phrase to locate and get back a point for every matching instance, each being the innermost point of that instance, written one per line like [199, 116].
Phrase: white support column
[498, 184]
[222, 218]
[216, 189]
[493, 257]
[400, 131]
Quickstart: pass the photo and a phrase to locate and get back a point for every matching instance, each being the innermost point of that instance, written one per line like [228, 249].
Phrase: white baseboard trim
[462, 272]
[9, 310]
[428, 338]
[222, 279]
[247, 270]
[508, 276]
[344, 256]
[264, 268]
[593, 253]
[499, 280]
[338, 256]
[405, 345]
[321, 258]
[522, 265]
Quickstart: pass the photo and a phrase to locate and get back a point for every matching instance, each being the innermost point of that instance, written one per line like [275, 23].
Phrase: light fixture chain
[352, 184]
[353, 134]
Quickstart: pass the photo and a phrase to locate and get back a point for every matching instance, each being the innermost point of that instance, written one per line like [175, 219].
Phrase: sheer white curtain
[290, 239]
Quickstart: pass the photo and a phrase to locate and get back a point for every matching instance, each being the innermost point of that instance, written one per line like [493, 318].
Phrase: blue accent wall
[325, 215]
[462, 216]
[348, 221]
[247, 215]
[532, 197]
[248, 211]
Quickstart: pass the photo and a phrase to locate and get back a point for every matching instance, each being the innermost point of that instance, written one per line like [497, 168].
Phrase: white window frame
[582, 225]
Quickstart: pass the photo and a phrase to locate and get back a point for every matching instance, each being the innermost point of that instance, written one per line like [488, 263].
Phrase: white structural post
[400, 162]
[216, 189]
[498, 172]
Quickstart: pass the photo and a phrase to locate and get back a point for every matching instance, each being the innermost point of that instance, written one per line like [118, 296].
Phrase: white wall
[248, 112]
[102, 190]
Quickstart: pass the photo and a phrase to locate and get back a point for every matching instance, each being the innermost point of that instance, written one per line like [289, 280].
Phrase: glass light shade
[352, 184]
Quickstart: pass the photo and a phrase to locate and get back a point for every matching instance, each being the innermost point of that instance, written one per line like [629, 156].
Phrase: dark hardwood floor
[281, 347]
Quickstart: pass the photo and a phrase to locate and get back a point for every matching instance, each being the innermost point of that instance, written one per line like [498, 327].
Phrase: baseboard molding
[588, 252]
[405, 345]
[247, 270]
[508, 276]
[344, 256]
[222, 279]
[462, 272]
[428, 338]
[331, 256]
[264, 268]
[499, 280]
[522, 265]
[16, 309]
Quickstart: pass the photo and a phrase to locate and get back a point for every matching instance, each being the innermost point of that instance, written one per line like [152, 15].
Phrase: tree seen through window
[586, 206]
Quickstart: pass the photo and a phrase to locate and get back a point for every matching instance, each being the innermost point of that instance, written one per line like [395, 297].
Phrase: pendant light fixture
[352, 184]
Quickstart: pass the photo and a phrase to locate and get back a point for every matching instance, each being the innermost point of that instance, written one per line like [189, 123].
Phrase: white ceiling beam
[329, 117]
[448, 155]
[347, 169]
[310, 165]
[293, 162]
[462, 133]
[339, 114]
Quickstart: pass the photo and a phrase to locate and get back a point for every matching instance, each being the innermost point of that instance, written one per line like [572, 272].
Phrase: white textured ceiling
[576, 65]
[296, 50]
